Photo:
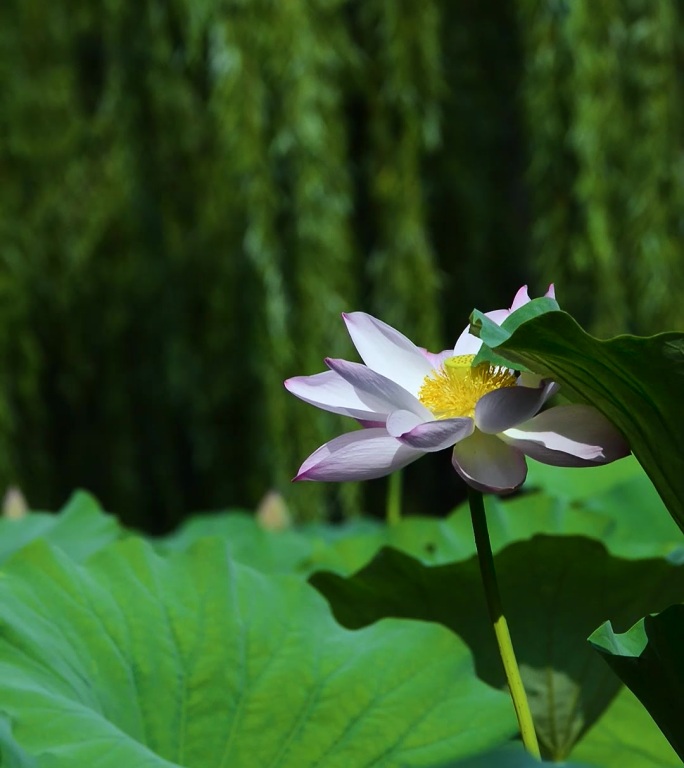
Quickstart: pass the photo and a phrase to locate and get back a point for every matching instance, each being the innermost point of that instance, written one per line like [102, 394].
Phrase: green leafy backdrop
[194, 189]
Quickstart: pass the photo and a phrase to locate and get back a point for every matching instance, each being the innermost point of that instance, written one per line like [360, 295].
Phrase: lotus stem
[393, 509]
[498, 619]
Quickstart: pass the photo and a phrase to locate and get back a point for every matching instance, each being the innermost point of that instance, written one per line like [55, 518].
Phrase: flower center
[453, 391]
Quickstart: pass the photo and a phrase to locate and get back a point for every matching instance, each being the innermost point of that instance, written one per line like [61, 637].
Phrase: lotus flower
[410, 402]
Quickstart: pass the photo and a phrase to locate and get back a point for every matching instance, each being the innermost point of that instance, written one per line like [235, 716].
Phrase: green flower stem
[393, 510]
[496, 614]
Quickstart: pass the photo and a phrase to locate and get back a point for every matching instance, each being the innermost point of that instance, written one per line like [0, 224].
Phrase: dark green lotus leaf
[191, 660]
[79, 529]
[498, 334]
[635, 381]
[556, 591]
[649, 659]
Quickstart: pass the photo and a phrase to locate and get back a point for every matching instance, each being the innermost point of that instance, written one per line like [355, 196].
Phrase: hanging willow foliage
[602, 96]
[181, 237]
[193, 190]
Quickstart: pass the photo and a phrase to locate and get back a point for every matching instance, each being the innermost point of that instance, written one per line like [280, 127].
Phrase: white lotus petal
[399, 422]
[329, 391]
[508, 406]
[380, 388]
[388, 352]
[467, 344]
[569, 436]
[362, 455]
[488, 464]
[437, 435]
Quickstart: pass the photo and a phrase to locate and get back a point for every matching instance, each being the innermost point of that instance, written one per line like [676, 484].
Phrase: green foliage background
[193, 190]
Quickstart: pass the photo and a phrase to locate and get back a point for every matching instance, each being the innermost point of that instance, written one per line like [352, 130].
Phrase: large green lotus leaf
[135, 659]
[581, 483]
[635, 381]
[649, 659]
[431, 540]
[641, 526]
[556, 590]
[342, 548]
[247, 541]
[79, 529]
[623, 510]
[12, 755]
[626, 517]
[636, 523]
[617, 503]
[437, 542]
[529, 514]
[624, 736]
[620, 508]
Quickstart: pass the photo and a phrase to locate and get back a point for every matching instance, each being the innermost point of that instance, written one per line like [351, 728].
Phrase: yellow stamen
[454, 390]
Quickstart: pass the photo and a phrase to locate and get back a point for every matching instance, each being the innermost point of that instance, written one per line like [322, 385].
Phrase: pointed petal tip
[521, 298]
[360, 455]
[387, 351]
[350, 317]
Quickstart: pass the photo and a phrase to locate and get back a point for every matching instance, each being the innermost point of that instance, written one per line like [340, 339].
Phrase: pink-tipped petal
[488, 464]
[569, 436]
[362, 455]
[379, 388]
[437, 435]
[504, 408]
[521, 298]
[551, 293]
[388, 352]
[330, 392]
[467, 344]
